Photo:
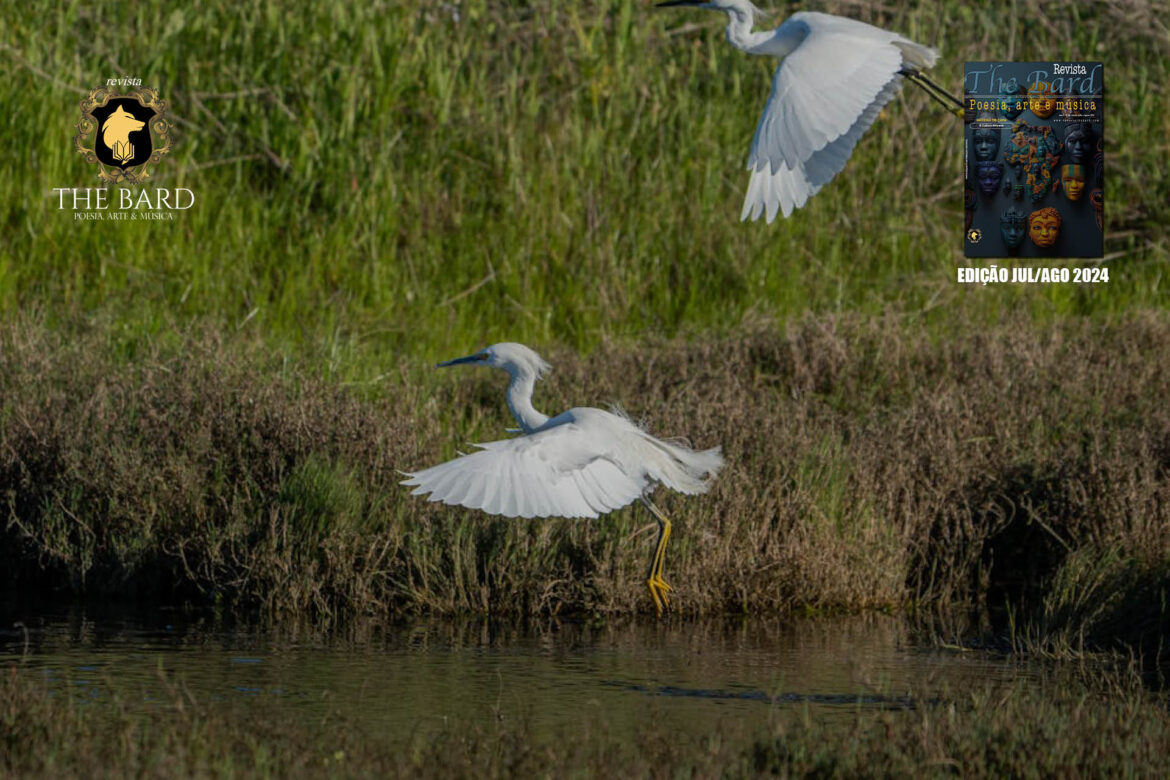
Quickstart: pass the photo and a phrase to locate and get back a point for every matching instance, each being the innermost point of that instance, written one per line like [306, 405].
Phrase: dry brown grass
[869, 465]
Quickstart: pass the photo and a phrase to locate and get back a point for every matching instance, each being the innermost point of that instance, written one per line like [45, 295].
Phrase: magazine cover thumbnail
[1033, 159]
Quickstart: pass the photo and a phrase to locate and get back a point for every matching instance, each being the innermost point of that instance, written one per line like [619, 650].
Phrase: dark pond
[403, 682]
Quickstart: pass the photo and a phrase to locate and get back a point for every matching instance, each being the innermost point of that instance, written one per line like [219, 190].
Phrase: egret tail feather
[683, 469]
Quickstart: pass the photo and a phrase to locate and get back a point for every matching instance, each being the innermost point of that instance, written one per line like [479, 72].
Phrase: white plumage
[835, 77]
[582, 463]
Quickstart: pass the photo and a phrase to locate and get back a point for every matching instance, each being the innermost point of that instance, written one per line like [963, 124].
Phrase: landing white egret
[836, 75]
[582, 463]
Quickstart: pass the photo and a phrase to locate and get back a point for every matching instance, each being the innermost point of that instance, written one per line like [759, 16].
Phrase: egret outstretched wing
[582, 463]
[557, 472]
[825, 95]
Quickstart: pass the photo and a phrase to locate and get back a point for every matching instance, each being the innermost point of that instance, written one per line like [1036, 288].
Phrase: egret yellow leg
[652, 575]
[663, 587]
[658, 586]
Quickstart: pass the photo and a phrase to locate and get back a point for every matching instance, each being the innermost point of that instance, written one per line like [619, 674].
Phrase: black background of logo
[139, 138]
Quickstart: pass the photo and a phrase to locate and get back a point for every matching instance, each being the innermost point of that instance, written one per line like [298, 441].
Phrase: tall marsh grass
[214, 409]
[870, 465]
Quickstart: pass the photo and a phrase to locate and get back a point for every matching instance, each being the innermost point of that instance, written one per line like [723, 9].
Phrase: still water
[403, 682]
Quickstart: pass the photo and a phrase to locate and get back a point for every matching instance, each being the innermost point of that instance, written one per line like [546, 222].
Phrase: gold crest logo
[122, 134]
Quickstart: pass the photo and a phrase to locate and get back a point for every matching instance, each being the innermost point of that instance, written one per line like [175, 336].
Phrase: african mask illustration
[985, 143]
[1013, 100]
[1078, 141]
[1011, 227]
[989, 174]
[1035, 152]
[1044, 227]
[1099, 163]
[1097, 198]
[1041, 100]
[1072, 178]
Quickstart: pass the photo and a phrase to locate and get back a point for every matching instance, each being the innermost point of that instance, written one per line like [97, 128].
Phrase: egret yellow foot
[663, 588]
[660, 602]
[658, 586]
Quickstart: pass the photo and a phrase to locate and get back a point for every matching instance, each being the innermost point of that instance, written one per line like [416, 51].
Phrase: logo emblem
[122, 134]
[974, 235]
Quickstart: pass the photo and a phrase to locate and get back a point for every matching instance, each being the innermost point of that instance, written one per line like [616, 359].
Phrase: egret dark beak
[478, 357]
[672, 3]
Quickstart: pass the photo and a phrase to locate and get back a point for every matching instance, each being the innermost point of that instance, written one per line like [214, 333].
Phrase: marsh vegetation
[870, 467]
[210, 412]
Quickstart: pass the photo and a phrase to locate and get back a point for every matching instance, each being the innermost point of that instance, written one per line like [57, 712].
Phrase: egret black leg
[945, 99]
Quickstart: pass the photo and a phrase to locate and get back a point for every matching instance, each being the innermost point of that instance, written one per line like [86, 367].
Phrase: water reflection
[402, 681]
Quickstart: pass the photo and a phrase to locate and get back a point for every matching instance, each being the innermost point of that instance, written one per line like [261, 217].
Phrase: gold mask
[1041, 100]
[1072, 177]
[1044, 226]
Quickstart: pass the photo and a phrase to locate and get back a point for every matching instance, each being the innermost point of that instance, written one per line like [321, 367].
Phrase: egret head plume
[514, 358]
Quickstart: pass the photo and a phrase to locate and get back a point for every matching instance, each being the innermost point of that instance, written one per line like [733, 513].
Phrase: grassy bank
[871, 465]
[375, 180]
[1110, 730]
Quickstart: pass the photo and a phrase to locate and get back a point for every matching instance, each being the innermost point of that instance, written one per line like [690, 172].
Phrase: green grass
[378, 182]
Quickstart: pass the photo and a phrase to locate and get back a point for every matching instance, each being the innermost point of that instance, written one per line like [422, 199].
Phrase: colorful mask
[1097, 198]
[985, 142]
[990, 174]
[1013, 101]
[1072, 178]
[1044, 227]
[1041, 100]
[1035, 151]
[1078, 140]
[1011, 227]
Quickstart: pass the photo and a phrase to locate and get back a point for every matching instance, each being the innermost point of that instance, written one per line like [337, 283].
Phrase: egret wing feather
[825, 95]
[556, 472]
[823, 166]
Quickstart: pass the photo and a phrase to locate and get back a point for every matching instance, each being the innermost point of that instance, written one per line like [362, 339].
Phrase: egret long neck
[772, 43]
[520, 402]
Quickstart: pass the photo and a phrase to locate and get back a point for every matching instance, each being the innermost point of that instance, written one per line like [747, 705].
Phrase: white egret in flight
[835, 77]
[582, 463]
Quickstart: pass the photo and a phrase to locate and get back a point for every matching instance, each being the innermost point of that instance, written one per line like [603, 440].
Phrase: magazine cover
[1033, 159]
